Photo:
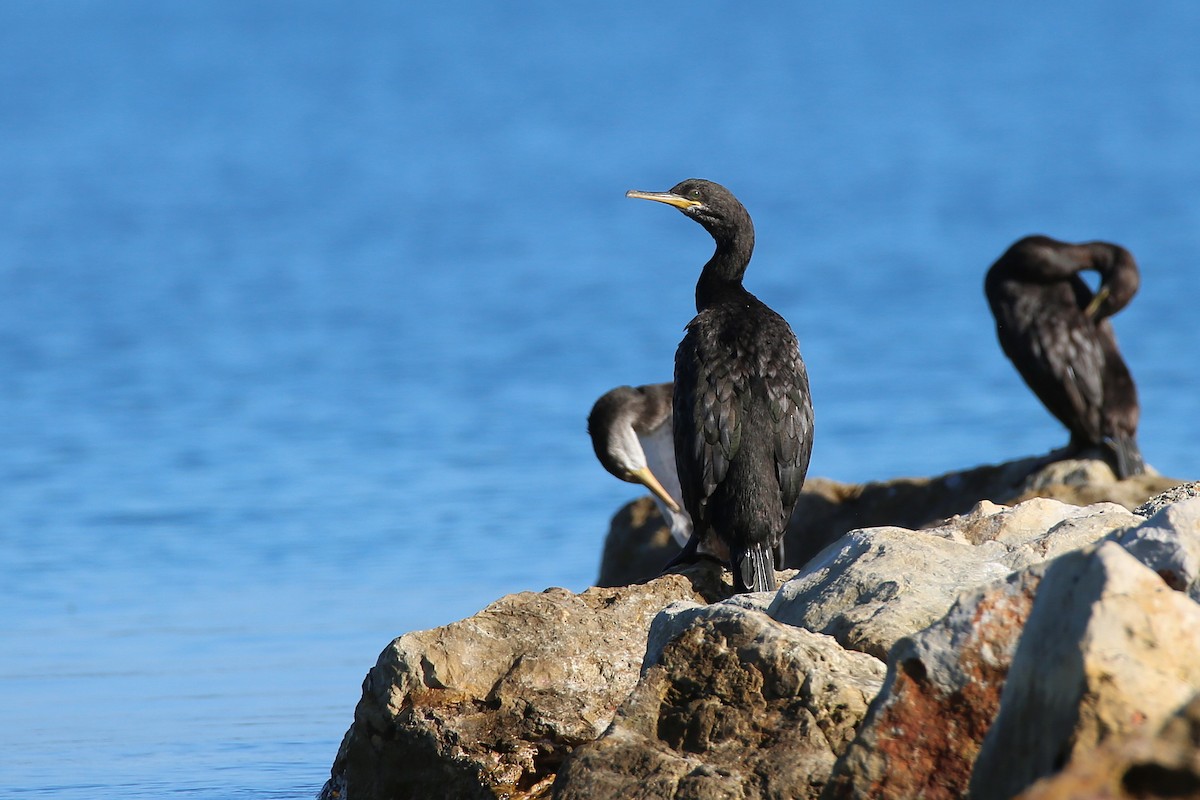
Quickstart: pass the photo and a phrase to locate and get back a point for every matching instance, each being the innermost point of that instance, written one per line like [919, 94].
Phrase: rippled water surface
[302, 310]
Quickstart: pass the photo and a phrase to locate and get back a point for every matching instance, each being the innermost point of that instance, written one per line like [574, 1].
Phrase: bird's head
[710, 204]
[1119, 279]
[611, 427]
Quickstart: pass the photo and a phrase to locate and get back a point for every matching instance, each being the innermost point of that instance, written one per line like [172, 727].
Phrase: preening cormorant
[742, 414]
[1057, 334]
[630, 428]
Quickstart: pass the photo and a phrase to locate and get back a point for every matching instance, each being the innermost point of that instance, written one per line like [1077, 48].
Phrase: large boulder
[731, 704]
[490, 706]
[1108, 649]
[1018, 639]
[1023, 673]
[875, 586]
[924, 730]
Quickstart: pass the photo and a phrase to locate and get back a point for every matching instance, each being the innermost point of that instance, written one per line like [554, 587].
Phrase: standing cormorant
[742, 415]
[630, 428]
[1057, 334]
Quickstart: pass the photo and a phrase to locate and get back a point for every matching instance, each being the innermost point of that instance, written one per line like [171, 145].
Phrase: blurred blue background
[303, 307]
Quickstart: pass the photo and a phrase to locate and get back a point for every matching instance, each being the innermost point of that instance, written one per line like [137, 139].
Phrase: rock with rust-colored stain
[923, 732]
[1108, 649]
[731, 704]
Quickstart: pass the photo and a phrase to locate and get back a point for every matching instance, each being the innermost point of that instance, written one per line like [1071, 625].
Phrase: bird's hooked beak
[1097, 300]
[646, 478]
[671, 199]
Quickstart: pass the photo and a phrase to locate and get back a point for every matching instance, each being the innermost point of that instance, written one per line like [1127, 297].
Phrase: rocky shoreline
[1030, 627]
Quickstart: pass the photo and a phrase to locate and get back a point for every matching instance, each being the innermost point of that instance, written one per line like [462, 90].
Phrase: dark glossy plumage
[1057, 334]
[743, 417]
[631, 432]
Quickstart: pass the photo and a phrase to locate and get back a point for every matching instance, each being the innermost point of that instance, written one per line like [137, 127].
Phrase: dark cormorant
[631, 434]
[742, 415]
[1058, 336]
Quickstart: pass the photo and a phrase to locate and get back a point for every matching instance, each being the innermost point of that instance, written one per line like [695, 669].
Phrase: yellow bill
[645, 477]
[1097, 299]
[663, 197]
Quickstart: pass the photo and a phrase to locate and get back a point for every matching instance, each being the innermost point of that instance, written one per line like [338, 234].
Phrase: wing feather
[707, 416]
[1066, 371]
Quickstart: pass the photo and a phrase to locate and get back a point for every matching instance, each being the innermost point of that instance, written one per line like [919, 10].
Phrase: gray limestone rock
[880, 584]
[875, 586]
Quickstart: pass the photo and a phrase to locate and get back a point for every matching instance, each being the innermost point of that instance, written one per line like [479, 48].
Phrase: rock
[1108, 649]
[638, 545]
[1037, 530]
[1169, 543]
[1183, 491]
[878, 585]
[944, 684]
[490, 706]
[1164, 764]
[1018, 639]
[942, 691]
[731, 704]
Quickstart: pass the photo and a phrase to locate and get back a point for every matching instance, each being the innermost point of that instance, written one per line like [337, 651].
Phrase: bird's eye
[694, 194]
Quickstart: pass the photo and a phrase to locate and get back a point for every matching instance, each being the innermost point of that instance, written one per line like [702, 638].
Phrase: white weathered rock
[1083, 527]
[877, 585]
[944, 683]
[1108, 649]
[1035, 530]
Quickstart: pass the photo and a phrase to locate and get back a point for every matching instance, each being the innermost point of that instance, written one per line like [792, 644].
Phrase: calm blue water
[303, 306]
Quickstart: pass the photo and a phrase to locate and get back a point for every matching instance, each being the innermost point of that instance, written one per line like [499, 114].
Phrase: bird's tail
[754, 569]
[1127, 455]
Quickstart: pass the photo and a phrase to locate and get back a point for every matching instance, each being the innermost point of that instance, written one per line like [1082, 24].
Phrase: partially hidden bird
[1058, 334]
[630, 427]
[741, 411]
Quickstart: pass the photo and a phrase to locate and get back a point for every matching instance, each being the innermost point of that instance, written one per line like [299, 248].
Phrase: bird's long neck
[721, 277]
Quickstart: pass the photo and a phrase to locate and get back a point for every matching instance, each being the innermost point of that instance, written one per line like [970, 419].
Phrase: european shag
[742, 415]
[631, 428]
[1058, 335]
